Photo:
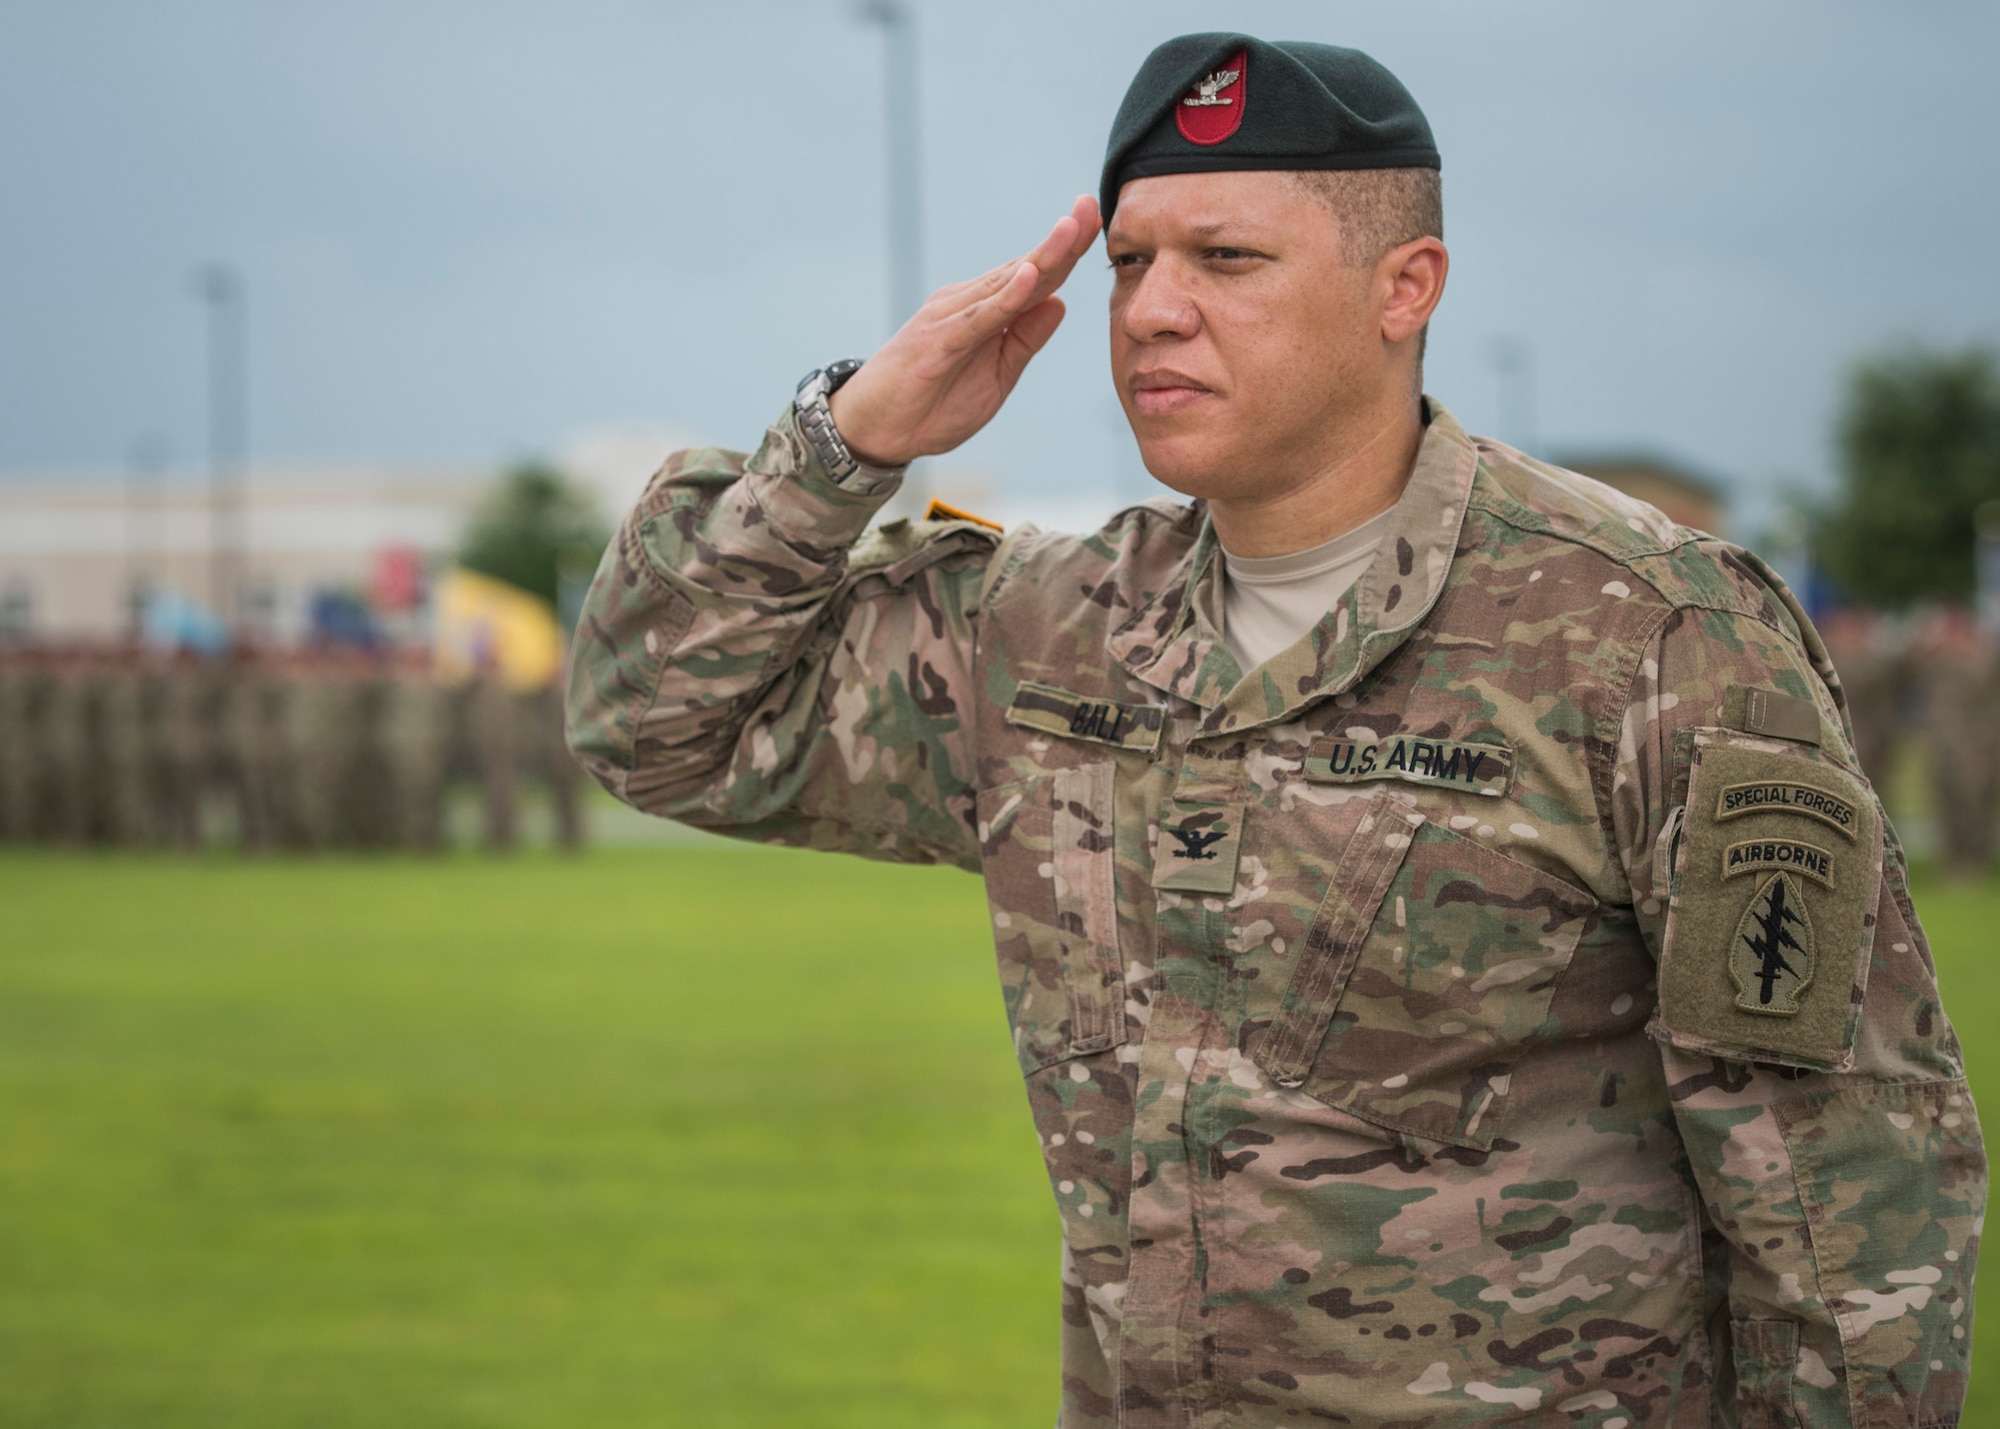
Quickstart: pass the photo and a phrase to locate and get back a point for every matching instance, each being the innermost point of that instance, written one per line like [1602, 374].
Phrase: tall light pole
[906, 259]
[142, 489]
[221, 289]
[1514, 360]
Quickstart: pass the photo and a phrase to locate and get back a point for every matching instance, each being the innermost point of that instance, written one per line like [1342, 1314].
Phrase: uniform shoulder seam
[1644, 562]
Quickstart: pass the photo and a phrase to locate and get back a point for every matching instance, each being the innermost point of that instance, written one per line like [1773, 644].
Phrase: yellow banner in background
[483, 623]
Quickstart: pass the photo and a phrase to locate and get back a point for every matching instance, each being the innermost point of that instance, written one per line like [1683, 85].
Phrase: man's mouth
[1163, 391]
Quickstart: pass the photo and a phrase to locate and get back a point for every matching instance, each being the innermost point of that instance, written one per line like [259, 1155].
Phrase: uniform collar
[1173, 642]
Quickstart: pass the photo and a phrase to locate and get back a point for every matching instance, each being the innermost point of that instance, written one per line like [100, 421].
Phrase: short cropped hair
[1379, 209]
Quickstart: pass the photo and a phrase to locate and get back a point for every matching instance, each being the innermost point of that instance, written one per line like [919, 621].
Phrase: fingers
[1032, 330]
[1027, 335]
[980, 320]
[1067, 242]
[1008, 294]
[1053, 257]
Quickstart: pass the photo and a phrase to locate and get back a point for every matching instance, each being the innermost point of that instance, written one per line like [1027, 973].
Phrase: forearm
[1851, 1202]
[740, 654]
[1849, 1207]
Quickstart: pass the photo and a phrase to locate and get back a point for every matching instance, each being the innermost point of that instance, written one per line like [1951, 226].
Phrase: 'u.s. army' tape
[1457, 764]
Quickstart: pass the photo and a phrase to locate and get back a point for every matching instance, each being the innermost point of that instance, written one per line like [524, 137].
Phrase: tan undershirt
[1268, 602]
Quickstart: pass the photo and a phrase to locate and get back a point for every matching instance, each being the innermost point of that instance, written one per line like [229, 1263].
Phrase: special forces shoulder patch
[1769, 928]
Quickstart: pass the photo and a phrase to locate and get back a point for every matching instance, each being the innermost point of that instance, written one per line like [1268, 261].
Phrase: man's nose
[1160, 306]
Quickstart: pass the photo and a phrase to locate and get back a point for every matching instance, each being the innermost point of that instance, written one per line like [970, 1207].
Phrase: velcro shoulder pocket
[1772, 918]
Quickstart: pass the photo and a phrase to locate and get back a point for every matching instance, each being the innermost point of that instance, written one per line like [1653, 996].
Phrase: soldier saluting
[1373, 917]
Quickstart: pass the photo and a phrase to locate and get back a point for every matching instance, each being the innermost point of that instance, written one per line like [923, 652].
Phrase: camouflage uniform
[254, 728]
[491, 716]
[373, 820]
[21, 691]
[541, 714]
[185, 749]
[127, 708]
[1404, 1046]
[416, 739]
[1962, 722]
[1873, 676]
[68, 767]
[323, 730]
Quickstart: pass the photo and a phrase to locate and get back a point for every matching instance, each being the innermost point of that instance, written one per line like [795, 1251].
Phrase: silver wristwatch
[816, 418]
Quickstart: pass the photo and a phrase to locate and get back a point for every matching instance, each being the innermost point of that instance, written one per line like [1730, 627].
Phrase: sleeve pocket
[1892, 1182]
[1049, 851]
[1767, 1353]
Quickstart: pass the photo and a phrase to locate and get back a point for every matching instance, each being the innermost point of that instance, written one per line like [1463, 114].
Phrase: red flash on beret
[1213, 106]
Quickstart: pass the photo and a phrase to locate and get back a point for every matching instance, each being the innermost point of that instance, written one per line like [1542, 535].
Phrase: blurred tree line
[538, 531]
[1919, 443]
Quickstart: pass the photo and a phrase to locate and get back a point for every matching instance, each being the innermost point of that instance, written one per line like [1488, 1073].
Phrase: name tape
[1475, 768]
[1053, 711]
[1787, 797]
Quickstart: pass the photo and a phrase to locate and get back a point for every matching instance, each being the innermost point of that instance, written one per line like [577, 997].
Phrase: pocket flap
[1353, 897]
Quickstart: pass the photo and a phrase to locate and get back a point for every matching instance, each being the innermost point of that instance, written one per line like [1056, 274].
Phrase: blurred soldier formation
[298, 751]
[1934, 683]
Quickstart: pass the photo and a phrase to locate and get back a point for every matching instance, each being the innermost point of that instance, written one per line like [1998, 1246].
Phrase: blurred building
[93, 556]
[1684, 495]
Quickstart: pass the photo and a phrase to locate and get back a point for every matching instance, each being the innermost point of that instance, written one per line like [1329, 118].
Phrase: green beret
[1202, 103]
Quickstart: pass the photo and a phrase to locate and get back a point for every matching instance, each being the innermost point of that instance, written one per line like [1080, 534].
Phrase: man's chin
[1193, 466]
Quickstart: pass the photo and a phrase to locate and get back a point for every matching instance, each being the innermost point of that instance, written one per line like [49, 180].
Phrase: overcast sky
[472, 232]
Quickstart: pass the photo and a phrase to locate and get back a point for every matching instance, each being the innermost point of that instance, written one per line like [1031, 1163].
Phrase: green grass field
[660, 1136]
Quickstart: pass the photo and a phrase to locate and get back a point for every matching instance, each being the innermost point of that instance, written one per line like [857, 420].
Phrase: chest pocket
[1431, 964]
[1049, 854]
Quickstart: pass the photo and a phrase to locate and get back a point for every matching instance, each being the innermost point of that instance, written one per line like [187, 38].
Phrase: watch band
[816, 418]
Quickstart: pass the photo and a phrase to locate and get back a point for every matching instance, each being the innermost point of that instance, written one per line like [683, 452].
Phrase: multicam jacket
[1505, 1006]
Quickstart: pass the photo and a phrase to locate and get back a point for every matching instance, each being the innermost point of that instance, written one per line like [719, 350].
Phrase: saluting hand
[947, 370]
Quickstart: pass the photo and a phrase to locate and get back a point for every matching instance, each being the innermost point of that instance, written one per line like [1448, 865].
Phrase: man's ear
[1411, 280]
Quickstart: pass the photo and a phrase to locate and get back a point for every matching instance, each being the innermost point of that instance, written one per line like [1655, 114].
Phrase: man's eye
[1230, 255]
[1127, 260]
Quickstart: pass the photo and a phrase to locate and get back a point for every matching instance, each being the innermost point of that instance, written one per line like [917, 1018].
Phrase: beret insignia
[1213, 107]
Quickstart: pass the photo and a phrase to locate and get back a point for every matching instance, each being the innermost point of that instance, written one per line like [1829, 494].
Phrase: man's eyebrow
[1203, 232]
[1231, 229]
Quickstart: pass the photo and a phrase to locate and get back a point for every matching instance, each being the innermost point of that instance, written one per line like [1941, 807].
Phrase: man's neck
[1338, 492]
